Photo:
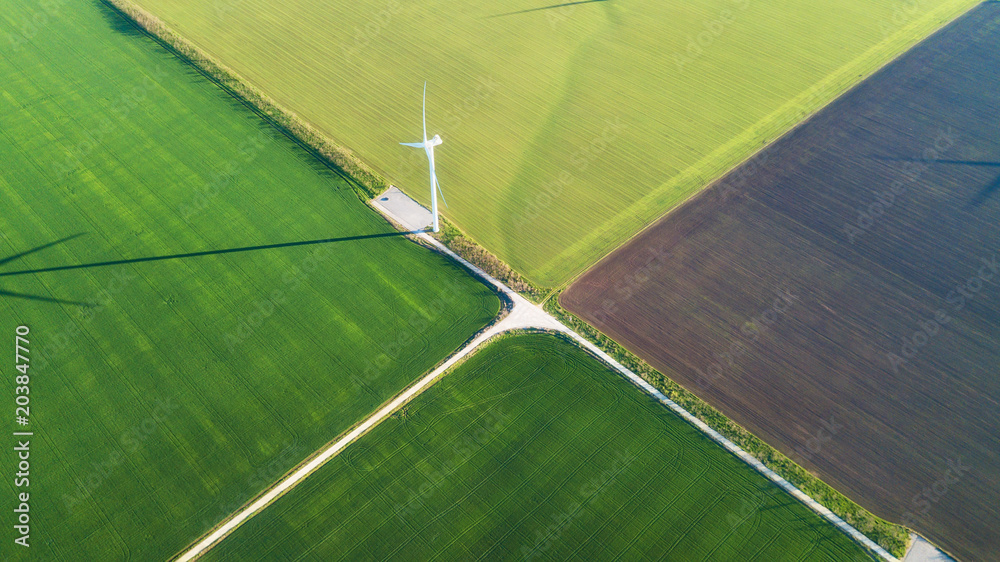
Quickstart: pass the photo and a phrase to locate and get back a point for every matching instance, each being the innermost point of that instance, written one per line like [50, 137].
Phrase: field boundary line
[364, 179]
[735, 449]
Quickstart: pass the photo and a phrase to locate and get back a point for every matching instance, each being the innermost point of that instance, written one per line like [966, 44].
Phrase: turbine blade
[413, 144]
[438, 185]
[425, 111]
[39, 248]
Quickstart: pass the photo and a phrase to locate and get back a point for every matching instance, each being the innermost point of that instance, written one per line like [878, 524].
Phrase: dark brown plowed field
[879, 219]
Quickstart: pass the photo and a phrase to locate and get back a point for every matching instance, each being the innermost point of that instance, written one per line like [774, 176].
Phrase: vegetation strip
[365, 181]
[890, 536]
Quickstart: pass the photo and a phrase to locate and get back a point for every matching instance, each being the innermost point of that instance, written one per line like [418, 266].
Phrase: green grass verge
[532, 449]
[458, 242]
[182, 386]
[893, 538]
[566, 130]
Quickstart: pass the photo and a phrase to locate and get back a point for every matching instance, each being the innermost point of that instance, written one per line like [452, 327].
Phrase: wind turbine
[428, 146]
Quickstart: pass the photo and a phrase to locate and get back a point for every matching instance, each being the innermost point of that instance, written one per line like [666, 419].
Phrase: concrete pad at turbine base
[401, 207]
[923, 551]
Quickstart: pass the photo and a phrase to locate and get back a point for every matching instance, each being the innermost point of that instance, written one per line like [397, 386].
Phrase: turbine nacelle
[427, 144]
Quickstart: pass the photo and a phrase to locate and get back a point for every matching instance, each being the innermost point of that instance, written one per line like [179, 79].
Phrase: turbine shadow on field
[204, 253]
[39, 298]
[980, 197]
[26, 296]
[552, 7]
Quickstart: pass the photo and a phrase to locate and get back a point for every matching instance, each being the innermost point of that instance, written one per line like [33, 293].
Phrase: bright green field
[189, 384]
[566, 130]
[532, 449]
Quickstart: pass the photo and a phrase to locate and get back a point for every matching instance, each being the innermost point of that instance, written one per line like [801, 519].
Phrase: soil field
[838, 294]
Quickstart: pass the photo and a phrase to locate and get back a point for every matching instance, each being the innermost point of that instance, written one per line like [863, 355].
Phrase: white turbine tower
[428, 146]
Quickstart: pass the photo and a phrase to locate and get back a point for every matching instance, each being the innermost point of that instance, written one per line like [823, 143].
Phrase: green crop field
[184, 351]
[532, 449]
[567, 129]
